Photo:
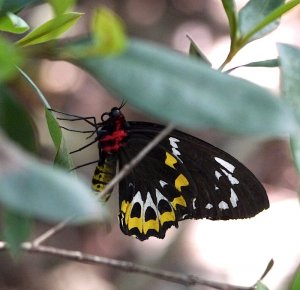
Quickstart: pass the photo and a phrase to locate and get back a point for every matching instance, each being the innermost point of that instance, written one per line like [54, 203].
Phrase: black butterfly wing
[182, 178]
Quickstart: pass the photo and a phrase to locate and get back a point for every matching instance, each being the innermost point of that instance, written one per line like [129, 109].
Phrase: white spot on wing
[138, 198]
[218, 174]
[149, 203]
[209, 206]
[231, 179]
[159, 196]
[163, 183]
[173, 143]
[233, 198]
[194, 203]
[225, 164]
[223, 205]
[216, 187]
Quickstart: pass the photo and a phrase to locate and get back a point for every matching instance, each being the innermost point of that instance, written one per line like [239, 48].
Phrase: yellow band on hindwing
[156, 223]
[167, 216]
[150, 225]
[140, 223]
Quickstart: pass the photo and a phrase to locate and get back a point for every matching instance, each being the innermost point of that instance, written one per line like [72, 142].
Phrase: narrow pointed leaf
[175, 88]
[230, 9]
[62, 157]
[195, 51]
[13, 23]
[253, 13]
[262, 63]
[60, 7]
[51, 29]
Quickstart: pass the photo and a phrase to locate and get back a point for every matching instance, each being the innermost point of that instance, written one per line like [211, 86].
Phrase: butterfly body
[181, 178]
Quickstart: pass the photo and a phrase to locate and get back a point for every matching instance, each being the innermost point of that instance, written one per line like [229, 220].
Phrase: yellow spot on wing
[136, 222]
[124, 206]
[170, 160]
[181, 181]
[151, 225]
[131, 222]
[178, 200]
[140, 223]
[167, 216]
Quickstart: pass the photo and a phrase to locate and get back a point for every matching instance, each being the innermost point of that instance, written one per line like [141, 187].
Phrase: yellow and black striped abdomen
[103, 174]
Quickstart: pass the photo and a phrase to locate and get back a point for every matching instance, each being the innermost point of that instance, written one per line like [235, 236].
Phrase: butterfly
[183, 177]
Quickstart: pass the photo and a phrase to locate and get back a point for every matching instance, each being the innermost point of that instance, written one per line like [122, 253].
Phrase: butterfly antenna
[122, 104]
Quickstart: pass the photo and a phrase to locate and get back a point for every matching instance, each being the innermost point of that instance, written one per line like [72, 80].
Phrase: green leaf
[295, 148]
[60, 7]
[289, 68]
[295, 284]
[254, 20]
[230, 9]
[16, 122]
[13, 23]
[62, 157]
[15, 6]
[260, 286]
[262, 63]
[175, 88]
[9, 58]
[290, 80]
[51, 29]
[108, 32]
[41, 191]
[17, 229]
[195, 51]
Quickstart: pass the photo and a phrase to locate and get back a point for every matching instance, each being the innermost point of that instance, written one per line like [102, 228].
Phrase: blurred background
[235, 252]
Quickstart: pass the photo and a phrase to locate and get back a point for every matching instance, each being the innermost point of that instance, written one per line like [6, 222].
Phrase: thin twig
[126, 169]
[183, 279]
[49, 233]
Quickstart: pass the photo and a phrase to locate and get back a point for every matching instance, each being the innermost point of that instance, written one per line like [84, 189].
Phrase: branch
[49, 233]
[183, 279]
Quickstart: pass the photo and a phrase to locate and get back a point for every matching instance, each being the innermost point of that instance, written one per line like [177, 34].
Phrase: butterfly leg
[76, 118]
[83, 147]
[79, 131]
[85, 164]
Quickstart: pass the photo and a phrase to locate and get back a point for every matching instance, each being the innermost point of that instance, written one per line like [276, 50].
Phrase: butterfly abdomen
[103, 174]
